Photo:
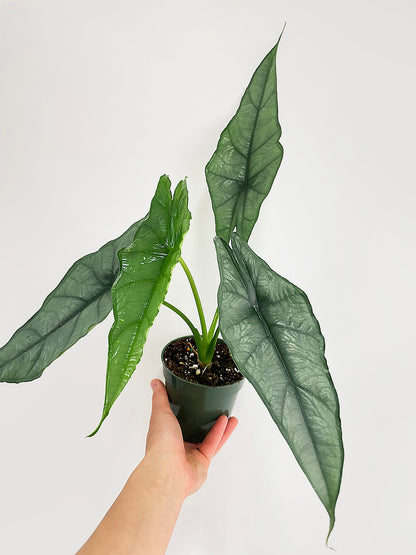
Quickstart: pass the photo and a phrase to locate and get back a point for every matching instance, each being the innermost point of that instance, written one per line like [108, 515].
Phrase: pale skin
[142, 518]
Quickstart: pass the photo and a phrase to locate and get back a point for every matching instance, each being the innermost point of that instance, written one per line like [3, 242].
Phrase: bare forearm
[142, 518]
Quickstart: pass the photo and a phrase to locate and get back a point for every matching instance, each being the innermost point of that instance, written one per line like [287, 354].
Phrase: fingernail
[153, 384]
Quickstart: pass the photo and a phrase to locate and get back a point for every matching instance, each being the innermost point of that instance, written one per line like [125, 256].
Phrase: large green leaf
[248, 155]
[80, 301]
[276, 342]
[146, 269]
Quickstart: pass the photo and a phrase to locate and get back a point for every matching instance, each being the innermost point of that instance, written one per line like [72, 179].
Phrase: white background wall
[97, 100]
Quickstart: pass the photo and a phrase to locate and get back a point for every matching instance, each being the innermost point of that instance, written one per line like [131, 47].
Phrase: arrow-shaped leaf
[80, 301]
[248, 155]
[146, 269]
[276, 342]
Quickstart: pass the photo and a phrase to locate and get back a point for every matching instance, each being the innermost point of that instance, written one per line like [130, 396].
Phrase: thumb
[160, 399]
[160, 404]
[162, 418]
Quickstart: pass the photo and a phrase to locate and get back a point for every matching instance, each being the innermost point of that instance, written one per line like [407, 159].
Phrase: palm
[188, 461]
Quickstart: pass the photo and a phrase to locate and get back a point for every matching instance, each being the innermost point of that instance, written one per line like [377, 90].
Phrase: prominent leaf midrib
[250, 147]
[56, 328]
[295, 390]
[263, 322]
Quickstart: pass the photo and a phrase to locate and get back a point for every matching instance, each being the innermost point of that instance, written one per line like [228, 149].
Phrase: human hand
[165, 448]
[142, 518]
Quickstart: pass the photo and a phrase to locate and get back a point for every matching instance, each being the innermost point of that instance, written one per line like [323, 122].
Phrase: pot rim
[205, 386]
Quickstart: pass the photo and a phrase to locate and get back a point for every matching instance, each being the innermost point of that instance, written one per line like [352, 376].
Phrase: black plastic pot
[197, 406]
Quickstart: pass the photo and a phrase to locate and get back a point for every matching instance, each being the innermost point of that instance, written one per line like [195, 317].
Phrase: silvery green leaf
[276, 342]
[80, 301]
[243, 167]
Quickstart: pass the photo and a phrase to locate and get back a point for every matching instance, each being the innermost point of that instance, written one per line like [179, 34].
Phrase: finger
[160, 406]
[231, 426]
[209, 446]
[160, 400]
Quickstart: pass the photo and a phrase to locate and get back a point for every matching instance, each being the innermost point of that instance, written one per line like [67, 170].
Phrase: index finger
[217, 436]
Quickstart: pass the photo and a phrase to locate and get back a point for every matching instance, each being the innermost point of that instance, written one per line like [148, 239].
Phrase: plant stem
[209, 353]
[196, 297]
[212, 326]
[194, 331]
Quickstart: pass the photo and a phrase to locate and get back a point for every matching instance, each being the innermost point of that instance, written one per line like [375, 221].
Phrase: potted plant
[270, 335]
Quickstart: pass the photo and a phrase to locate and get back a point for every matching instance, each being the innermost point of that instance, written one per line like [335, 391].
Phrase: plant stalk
[214, 322]
[193, 329]
[196, 297]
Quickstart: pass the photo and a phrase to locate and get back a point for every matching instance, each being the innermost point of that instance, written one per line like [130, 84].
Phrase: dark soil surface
[182, 360]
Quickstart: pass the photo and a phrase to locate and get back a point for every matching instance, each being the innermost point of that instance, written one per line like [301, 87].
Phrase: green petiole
[184, 318]
[196, 297]
[205, 342]
[211, 330]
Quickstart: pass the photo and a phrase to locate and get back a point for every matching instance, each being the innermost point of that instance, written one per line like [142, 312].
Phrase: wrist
[163, 477]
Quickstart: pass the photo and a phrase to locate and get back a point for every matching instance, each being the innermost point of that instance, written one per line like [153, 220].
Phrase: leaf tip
[104, 416]
[92, 434]
[331, 527]
[275, 47]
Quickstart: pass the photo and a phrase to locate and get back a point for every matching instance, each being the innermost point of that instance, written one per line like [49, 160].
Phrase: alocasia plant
[266, 321]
